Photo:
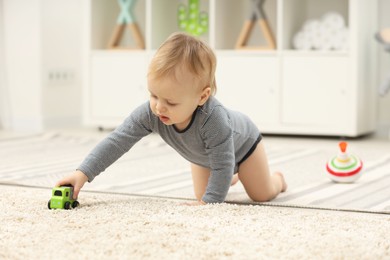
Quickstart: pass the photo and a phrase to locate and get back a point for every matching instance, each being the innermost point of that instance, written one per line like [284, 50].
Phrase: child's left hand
[195, 203]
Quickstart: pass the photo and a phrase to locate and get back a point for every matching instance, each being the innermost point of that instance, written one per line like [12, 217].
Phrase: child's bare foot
[235, 179]
[284, 183]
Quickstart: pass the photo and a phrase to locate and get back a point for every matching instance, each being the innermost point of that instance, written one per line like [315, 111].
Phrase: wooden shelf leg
[135, 31]
[116, 36]
[265, 28]
[244, 34]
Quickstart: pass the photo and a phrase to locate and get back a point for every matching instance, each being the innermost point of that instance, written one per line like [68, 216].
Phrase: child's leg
[200, 178]
[255, 176]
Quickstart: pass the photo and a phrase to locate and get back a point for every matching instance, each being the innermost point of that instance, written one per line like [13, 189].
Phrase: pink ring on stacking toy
[344, 167]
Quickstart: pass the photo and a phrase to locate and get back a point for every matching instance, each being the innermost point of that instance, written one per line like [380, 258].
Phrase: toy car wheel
[75, 204]
[67, 205]
[48, 204]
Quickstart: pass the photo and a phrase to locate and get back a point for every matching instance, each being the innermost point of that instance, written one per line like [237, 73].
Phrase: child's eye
[171, 104]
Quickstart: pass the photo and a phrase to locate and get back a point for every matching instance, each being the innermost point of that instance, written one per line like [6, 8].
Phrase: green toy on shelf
[191, 20]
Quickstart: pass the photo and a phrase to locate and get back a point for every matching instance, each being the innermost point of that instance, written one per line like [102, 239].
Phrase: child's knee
[262, 197]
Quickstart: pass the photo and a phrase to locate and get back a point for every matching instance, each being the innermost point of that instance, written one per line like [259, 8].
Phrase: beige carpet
[128, 227]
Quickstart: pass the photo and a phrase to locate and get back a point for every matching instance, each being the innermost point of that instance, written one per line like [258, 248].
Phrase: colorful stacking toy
[344, 167]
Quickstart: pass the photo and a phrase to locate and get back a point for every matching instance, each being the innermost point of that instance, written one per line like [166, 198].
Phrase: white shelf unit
[284, 91]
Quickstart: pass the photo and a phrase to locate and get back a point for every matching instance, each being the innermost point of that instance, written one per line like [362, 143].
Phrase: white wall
[3, 95]
[62, 45]
[42, 35]
[384, 64]
[22, 48]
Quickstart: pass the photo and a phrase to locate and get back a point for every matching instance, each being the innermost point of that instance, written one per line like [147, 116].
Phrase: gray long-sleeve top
[217, 138]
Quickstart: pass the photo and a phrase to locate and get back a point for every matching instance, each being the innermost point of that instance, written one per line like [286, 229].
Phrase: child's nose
[160, 107]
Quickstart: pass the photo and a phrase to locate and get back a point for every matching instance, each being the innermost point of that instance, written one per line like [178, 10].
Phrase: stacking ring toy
[344, 167]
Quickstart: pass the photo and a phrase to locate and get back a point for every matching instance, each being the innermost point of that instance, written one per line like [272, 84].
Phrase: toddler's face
[175, 100]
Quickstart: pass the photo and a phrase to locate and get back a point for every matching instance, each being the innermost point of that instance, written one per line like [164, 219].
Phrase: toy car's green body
[62, 198]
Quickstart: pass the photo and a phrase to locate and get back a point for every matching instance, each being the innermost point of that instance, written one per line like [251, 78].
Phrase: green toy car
[62, 198]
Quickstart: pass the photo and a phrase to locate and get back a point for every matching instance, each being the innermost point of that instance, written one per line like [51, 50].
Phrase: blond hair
[181, 50]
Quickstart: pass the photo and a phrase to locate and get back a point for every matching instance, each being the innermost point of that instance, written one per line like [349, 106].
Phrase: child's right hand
[76, 179]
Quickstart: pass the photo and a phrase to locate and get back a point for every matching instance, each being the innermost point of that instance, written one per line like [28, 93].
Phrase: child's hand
[76, 179]
[195, 203]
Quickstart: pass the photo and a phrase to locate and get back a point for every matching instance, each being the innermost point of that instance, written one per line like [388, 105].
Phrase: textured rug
[152, 168]
[128, 227]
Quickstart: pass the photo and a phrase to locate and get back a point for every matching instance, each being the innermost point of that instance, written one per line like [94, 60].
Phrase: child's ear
[206, 92]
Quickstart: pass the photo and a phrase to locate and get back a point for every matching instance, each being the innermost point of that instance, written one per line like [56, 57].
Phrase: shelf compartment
[297, 12]
[164, 20]
[104, 15]
[231, 17]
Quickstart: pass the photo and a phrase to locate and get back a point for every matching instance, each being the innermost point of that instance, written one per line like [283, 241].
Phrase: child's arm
[218, 139]
[118, 142]
[136, 126]
[77, 180]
